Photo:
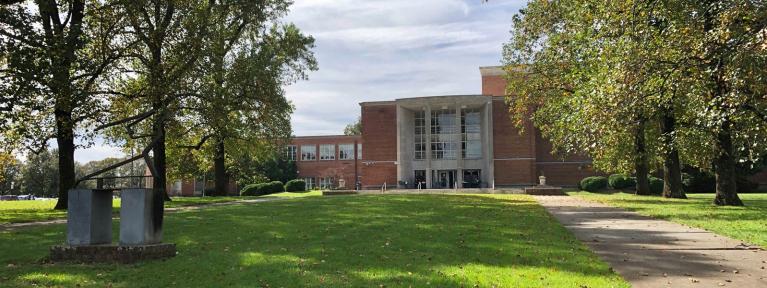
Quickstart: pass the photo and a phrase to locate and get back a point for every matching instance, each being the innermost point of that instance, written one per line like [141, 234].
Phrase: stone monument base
[544, 190]
[111, 253]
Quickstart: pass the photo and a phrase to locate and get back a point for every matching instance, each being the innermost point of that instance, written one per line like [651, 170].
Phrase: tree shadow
[357, 241]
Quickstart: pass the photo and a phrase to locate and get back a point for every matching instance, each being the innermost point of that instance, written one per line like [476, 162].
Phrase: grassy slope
[747, 223]
[31, 211]
[342, 241]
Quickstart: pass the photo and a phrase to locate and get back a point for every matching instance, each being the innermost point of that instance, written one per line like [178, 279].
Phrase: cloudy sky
[371, 50]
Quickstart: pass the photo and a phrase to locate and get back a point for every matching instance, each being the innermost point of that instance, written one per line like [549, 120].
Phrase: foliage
[295, 185]
[656, 186]
[698, 181]
[40, 175]
[261, 189]
[354, 128]
[744, 223]
[307, 231]
[10, 175]
[593, 183]
[621, 181]
[592, 76]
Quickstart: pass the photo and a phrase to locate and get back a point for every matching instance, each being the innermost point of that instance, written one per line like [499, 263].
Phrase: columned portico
[444, 142]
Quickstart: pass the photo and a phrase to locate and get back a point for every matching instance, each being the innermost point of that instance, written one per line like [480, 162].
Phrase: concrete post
[136, 225]
[89, 217]
[427, 118]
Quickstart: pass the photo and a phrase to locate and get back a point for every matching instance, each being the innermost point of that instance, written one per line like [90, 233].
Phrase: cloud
[383, 50]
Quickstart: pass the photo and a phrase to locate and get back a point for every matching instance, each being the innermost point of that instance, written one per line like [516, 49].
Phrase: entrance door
[444, 179]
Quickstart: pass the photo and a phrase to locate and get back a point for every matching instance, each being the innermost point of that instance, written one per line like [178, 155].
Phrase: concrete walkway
[649, 252]
[12, 226]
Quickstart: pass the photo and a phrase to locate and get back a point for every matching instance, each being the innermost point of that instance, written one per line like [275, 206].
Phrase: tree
[354, 128]
[591, 64]
[54, 54]
[10, 175]
[40, 174]
[239, 101]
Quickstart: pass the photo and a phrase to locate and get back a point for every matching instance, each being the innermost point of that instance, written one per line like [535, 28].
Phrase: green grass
[342, 241]
[747, 223]
[33, 211]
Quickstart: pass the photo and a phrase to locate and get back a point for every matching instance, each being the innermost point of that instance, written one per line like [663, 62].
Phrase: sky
[373, 50]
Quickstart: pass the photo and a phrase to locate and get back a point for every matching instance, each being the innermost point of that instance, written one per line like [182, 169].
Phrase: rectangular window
[420, 135]
[326, 182]
[308, 152]
[359, 150]
[328, 152]
[291, 152]
[471, 130]
[444, 133]
[345, 151]
[309, 183]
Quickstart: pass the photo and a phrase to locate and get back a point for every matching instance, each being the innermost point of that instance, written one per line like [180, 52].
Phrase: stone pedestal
[89, 217]
[136, 222]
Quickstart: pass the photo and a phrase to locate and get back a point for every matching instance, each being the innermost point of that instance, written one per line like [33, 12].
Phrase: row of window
[327, 152]
[445, 134]
[323, 183]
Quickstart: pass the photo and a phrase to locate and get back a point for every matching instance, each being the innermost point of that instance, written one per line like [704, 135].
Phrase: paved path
[12, 226]
[655, 253]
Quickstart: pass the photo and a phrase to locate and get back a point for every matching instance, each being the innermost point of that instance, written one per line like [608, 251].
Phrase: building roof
[434, 97]
[327, 136]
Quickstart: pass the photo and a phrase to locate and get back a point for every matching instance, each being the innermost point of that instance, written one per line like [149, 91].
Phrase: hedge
[656, 186]
[295, 185]
[262, 189]
[593, 183]
[621, 181]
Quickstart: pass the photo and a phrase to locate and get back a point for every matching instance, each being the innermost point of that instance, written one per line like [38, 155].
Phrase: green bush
[275, 187]
[251, 190]
[698, 182]
[593, 183]
[621, 181]
[295, 185]
[656, 185]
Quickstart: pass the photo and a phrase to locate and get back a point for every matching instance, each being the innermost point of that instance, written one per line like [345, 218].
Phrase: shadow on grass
[343, 241]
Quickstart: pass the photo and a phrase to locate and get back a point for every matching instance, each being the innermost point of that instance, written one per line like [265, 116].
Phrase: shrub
[746, 186]
[295, 185]
[621, 181]
[593, 183]
[656, 185]
[251, 190]
[698, 182]
[275, 187]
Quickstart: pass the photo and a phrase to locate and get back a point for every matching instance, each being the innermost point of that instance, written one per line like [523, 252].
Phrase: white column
[427, 134]
[459, 148]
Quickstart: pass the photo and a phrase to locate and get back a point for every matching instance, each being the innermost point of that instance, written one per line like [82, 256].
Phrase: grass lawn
[747, 223]
[341, 241]
[42, 210]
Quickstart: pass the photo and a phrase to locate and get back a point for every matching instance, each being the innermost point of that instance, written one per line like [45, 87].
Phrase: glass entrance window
[420, 179]
[443, 179]
[444, 134]
[471, 134]
[420, 135]
[472, 178]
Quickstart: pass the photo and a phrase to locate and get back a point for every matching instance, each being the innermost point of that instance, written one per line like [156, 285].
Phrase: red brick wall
[514, 153]
[379, 133]
[494, 85]
[338, 169]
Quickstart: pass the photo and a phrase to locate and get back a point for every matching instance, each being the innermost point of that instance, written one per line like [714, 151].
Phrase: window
[308, 152]
[326, 182]
[291, 152]
[471, 138]
[444, 133]
[345, 151]
[420, 135]
[328, 152]
[359, 150]
[309, 183]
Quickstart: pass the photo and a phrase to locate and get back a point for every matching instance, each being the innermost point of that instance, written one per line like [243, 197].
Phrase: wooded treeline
[185, 83]
[646, 85]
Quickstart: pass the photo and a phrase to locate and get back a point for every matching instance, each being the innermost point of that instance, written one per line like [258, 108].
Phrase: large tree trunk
[726, 185]
[222, 180]
[641, 165]
[672, 171]
[159, 182]
[66, 142]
